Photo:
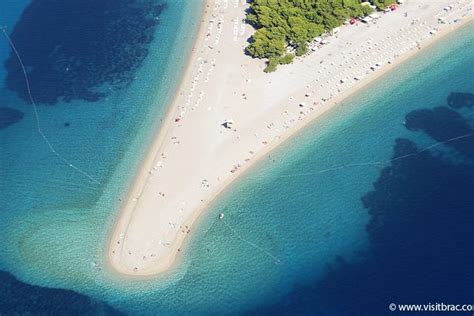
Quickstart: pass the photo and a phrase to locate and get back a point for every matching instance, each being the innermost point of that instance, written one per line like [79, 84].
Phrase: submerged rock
[458, 100]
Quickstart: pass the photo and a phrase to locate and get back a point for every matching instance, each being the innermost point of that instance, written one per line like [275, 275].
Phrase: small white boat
[221, 216]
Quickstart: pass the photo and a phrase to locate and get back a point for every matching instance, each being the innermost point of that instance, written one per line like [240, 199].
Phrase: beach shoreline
[140, 177]
[118, 259]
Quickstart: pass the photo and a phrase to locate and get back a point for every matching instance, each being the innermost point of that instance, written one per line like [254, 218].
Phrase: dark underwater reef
[80, 49]
[19, 298]
[420, 229]
[9, 116]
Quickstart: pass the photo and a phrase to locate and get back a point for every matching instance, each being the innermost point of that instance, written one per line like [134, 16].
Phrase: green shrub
[272, 65]
[287, 59]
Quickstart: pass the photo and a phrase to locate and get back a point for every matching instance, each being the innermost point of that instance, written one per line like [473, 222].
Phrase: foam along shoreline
[194, 157]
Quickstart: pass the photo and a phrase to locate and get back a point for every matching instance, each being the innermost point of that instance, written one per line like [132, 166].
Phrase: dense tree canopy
[293, 23]
[382, 4]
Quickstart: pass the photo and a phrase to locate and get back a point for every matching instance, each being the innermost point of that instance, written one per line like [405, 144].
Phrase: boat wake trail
[38, 125]
[262, 250]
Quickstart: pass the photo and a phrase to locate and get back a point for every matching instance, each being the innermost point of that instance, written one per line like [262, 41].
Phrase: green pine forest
[294, 23]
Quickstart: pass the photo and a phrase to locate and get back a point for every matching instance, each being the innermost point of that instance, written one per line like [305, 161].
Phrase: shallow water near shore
[288, 218]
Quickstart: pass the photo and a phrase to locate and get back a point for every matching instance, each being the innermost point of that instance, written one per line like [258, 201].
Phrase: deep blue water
[80, 47]
[361, 210]
[421, 212]
[18, 298]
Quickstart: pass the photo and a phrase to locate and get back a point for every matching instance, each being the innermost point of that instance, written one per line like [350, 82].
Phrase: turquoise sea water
[303, 205]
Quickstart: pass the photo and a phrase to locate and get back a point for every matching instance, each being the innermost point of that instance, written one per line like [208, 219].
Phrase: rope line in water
[69, 164]
[38, 125]
[362, 164]
[264, 251]
[276, 260]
